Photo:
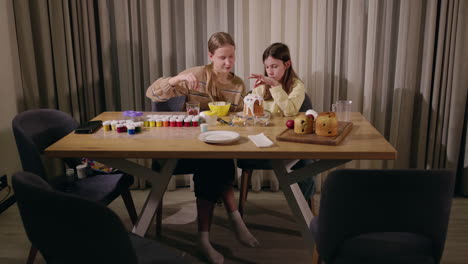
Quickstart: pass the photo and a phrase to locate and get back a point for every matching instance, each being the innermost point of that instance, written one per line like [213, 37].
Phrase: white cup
[210, 120]
[342, 108]
[203, 128]
[81, 171]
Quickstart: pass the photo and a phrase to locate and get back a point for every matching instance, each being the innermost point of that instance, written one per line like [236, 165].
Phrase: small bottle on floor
[70, 180]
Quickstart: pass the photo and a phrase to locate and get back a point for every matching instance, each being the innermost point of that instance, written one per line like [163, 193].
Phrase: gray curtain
[60, 62]
[402, 63]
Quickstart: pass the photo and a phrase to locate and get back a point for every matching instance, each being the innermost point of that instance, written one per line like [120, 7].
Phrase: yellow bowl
[221, 108]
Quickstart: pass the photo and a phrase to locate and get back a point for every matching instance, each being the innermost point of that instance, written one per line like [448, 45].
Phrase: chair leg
[313, 206]
[244, 189]
[316, 256]
[32, 255]
[128, 201]
[159, 218]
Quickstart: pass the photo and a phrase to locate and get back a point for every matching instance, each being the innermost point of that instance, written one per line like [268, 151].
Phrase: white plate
[219, 136]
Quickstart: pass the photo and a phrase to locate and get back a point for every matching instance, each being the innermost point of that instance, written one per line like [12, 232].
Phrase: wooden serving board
[343, 130]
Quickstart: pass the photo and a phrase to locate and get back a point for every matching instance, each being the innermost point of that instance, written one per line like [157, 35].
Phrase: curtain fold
[400, 62]
[457, 153]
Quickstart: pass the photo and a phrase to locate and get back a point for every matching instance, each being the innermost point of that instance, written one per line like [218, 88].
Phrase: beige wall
[10, 81]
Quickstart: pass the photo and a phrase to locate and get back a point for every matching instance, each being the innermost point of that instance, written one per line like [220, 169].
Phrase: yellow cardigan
[287, 105]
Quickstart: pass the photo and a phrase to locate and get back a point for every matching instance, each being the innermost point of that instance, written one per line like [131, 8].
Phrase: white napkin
[261, 140]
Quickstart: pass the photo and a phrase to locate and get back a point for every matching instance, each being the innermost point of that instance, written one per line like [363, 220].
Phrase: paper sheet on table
[261, 140]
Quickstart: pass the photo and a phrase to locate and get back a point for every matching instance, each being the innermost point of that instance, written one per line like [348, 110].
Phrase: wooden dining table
[114, 149]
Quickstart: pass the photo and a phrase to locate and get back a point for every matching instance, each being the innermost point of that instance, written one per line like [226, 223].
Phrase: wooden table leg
[296, 201]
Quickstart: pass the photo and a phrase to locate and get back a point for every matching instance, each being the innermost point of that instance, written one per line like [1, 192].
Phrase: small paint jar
[173, 123]
[131, 130]
[138, 126]
[166, 122]
[146, 122]
[180, 122]
[114, 125]
[152, 123]
[159, 123]
[107, 125]
[188, 122]
[195, 120]
[120, 128]
[204, 128]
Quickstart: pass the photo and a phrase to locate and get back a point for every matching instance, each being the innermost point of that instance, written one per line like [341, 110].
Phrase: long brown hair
[280, 51]
[216, 41]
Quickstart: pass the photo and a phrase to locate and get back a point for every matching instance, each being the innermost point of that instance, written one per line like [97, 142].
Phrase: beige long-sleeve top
[232, 90]
[287, 105]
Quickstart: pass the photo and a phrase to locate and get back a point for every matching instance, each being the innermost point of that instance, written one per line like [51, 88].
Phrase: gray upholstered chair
[175, 104]
[37, 129]
[249, 165]
[69, 229]
[383, 216]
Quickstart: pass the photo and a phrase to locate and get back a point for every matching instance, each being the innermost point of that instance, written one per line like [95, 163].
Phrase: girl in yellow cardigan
[282, 92]
[281, 89]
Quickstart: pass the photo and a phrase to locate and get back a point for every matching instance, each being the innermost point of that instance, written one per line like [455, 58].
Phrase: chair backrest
[69, 229]
[175, 104]
[307, 104]
[355, 202]
[37, 129]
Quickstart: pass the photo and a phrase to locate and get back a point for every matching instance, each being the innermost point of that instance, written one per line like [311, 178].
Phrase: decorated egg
[311, 112]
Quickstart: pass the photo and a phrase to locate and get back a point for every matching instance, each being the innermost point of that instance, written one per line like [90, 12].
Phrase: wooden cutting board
[343, 130]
